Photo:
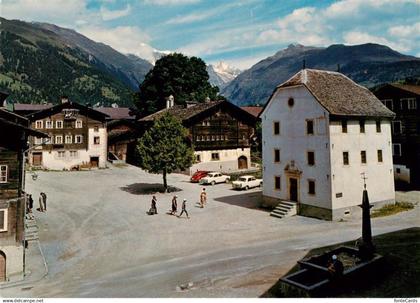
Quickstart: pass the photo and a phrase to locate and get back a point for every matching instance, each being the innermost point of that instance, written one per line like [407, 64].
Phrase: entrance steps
[284, 209]
[31, 230]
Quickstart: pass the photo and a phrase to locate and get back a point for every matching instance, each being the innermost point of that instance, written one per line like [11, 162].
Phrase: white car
[214, 177]
[247, 182]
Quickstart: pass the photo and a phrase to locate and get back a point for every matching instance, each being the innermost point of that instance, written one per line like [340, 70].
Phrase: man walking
[203, 198]
[44, 200]
[184, 209]
[174, 205]
[41, 203]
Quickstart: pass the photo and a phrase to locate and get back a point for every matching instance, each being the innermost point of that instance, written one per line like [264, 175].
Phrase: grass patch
[392, 209]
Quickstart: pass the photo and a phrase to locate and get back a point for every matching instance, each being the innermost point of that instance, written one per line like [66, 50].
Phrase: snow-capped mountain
[221, 74]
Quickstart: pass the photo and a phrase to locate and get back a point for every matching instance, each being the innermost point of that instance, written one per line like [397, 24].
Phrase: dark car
[198, 175]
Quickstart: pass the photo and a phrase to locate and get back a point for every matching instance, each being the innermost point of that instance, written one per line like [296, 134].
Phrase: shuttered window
[3, 173]
[3, 220]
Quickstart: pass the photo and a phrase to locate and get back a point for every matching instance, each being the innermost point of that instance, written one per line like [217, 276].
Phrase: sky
[239, 32]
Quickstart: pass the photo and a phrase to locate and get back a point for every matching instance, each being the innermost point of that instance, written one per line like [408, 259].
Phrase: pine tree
[164, 148]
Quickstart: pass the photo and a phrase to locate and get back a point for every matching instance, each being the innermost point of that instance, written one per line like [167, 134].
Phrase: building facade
[404, 101]
[13, 143]
[78, 137]
[321, 132]
[220, 132]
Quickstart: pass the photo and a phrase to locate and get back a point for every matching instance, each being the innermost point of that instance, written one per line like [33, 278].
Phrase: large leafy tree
[164, 148]
[185, 78]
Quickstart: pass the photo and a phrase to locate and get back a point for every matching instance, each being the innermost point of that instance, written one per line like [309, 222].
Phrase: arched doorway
[242, 162]
[2, 266]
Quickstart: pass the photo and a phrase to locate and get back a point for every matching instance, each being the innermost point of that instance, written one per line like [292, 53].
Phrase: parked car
[198, 175]
[214, 177]
[247, 182]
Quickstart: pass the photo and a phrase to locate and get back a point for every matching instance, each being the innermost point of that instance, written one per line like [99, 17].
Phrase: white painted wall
[228, 160]
[14, 262]
[347, 178]
[50, 159]
[294, 143]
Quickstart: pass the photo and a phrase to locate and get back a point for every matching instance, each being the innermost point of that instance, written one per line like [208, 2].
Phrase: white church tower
[321, 131]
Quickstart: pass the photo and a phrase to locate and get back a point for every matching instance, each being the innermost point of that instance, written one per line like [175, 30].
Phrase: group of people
[42, 203]
[174, 209]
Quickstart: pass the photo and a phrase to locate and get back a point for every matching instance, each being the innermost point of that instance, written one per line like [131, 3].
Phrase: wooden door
[2, 267]
[293, 189]
[242, 162]
[37, 159]
[94, 161]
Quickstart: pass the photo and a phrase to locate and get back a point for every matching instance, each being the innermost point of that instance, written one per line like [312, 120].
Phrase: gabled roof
[117, 113]
[187, 113]
[31, 107]
[408, 87]
[338, 94]
[88, 111]
[253, 110]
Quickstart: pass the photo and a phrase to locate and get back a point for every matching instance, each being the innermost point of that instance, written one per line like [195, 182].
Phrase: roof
[253, 110]
[117, 113]
[185, 113]
[30, 107]
[16, 121]
[338, 94]
[88, 111]
[408, 87]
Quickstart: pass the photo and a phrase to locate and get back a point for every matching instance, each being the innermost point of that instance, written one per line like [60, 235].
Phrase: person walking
[41, 203]
[44, 200]
[30, 203]
[174, 205]
[153, 207]
[184, 209]
[203, 198]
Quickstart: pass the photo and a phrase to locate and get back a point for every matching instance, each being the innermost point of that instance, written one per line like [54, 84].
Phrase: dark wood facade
[404, 101]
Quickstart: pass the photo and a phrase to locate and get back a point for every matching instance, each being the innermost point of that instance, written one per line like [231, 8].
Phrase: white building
[321, 132]
[78, 137]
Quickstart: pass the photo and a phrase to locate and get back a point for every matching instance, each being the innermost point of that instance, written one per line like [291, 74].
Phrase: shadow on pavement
[147, 188]
[250, 200]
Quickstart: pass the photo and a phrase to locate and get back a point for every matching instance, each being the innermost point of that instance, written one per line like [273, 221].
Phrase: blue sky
[240, 32]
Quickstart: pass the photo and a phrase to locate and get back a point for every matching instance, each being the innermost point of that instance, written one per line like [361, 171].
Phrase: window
[215, 156]
[276, 155]
[73, 154]
[79, 123]
[398, 170]
[363, 156]
[3, 219]
[38, 141]
[344, 126]
[388, 103]
[311, 187]
[291, 102]
[68, 139]
[96, 140]
[197, 158]
[212, 138]
[38, 124]
[78, 139]
[276, 128]
[311, 158]
[380, 155]
[378, 126]
[412, 103]
[197, 138]
[396, 149]
[59, 124]
[61, 154]
[346, 158]
[396, 127]
[226, 137]
[207, 138]
[96, 129]
[362, 126]
[309, 127]
[3, 173]
[59, 139]
[48, 124]
[277, 183]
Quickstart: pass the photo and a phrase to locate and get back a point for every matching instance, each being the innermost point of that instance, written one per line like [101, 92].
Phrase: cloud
[363, 37]
[405, 31]
[114, 14]
[170, 2]
[125, 39]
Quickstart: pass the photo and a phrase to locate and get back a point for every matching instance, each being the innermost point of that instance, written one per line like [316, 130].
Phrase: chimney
[64, 99]
[170, 101]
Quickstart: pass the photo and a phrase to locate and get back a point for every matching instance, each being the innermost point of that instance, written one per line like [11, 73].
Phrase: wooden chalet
[220, 132]
[13, 143]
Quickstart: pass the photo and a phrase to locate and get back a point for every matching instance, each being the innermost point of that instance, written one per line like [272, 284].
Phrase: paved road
[99, 242]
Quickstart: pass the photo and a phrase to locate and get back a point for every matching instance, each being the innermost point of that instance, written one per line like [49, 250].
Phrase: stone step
[282, 207]
[290, 203]
[31, 237]
[276, 215]
[280, 212]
